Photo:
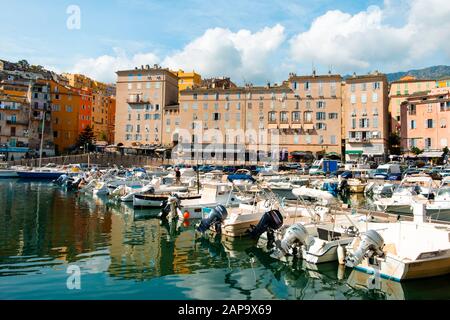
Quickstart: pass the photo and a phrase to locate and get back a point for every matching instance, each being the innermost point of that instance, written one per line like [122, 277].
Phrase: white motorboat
[212, 195]
[412, 188]
[403, 250]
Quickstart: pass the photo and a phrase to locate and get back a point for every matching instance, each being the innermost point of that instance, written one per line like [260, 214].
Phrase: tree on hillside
[86, 139]
[23, 64]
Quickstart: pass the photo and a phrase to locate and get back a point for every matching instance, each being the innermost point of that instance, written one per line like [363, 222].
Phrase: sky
[253, 41]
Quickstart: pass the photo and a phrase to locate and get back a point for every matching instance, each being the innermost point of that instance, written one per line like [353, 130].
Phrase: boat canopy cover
[412, 179]
[313, 193]
[233, 177]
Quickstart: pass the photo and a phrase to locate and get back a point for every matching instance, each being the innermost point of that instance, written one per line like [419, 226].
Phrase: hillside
[435, 72]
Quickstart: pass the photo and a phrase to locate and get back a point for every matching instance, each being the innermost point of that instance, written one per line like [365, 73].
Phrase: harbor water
[47, 235]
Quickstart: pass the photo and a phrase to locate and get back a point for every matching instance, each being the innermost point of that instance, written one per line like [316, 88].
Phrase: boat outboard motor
[294, 235]
[371, 244]
[270, 221]
[216, 217]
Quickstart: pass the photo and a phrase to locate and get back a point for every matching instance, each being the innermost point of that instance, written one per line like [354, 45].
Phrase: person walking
[178, 175]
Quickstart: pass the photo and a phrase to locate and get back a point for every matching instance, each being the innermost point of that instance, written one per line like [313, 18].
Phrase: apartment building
[426, 122]
[399, 91]
[366, 116]
[142, 95]
[66, 103]
[40, 118]
[14, 124]
[302, 114]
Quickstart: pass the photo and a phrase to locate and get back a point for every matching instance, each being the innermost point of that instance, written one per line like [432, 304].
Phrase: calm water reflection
[130, 255]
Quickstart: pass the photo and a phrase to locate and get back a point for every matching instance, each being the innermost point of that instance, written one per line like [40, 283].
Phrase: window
[374, 97]
[308, 139]
[307, 86]
[413, 124]
[205, 116]
[186, 106]
[430, 108]
[375, 122]
[139, 86]
[412, 110]
[376, 85]
[238, 106]
[156, 117]
[364, 123]
[130, 86]
[157, 85]
[363, 86]
[194, 106]
[321, 141]
[321, 126]
[307, 117]
[297, 105]
[296, 117]
[216, 116]
[205, 106]
[443, 123]
[364, 98]
[332, 139]
[284, 118]
[148, 85]
[296, 139]
[320, 104]
[68, 108]
[427, 143]
[321, 116]
[353, 99]
[333, 89]
[238, 116]
[272, 117]
[352, 87]
[333, 116]
[195, 96]
[429, 123]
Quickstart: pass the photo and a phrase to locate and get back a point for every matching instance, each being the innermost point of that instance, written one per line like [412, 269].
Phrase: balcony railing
[138, 101]
[18, 122]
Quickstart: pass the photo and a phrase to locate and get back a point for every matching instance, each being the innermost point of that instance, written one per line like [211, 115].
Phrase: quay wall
[99, 159]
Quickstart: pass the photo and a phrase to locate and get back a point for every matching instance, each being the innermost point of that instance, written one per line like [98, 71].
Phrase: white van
[384, 170]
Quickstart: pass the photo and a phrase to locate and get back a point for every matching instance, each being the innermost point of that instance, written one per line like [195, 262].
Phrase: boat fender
[341, 254]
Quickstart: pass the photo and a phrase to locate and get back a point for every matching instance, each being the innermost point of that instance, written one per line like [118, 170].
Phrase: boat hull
[8, 174]
[36, 175]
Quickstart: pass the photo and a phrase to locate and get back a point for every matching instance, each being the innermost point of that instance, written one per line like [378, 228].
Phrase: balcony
[138, 101]
[18, 122]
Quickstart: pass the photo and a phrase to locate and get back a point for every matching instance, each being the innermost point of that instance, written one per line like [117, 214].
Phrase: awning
[301, 154]
[431, 154]
[354, 152]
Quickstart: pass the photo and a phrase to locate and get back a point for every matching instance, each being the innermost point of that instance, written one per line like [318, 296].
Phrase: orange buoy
[186, 215]
[186, 224]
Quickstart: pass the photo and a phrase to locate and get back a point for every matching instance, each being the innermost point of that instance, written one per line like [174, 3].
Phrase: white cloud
[103, 68]
[399, 35]
[241, 55]
[367, 40]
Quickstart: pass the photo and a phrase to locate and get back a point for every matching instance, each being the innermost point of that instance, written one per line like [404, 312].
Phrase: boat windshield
[382, 171]
[443, 192]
